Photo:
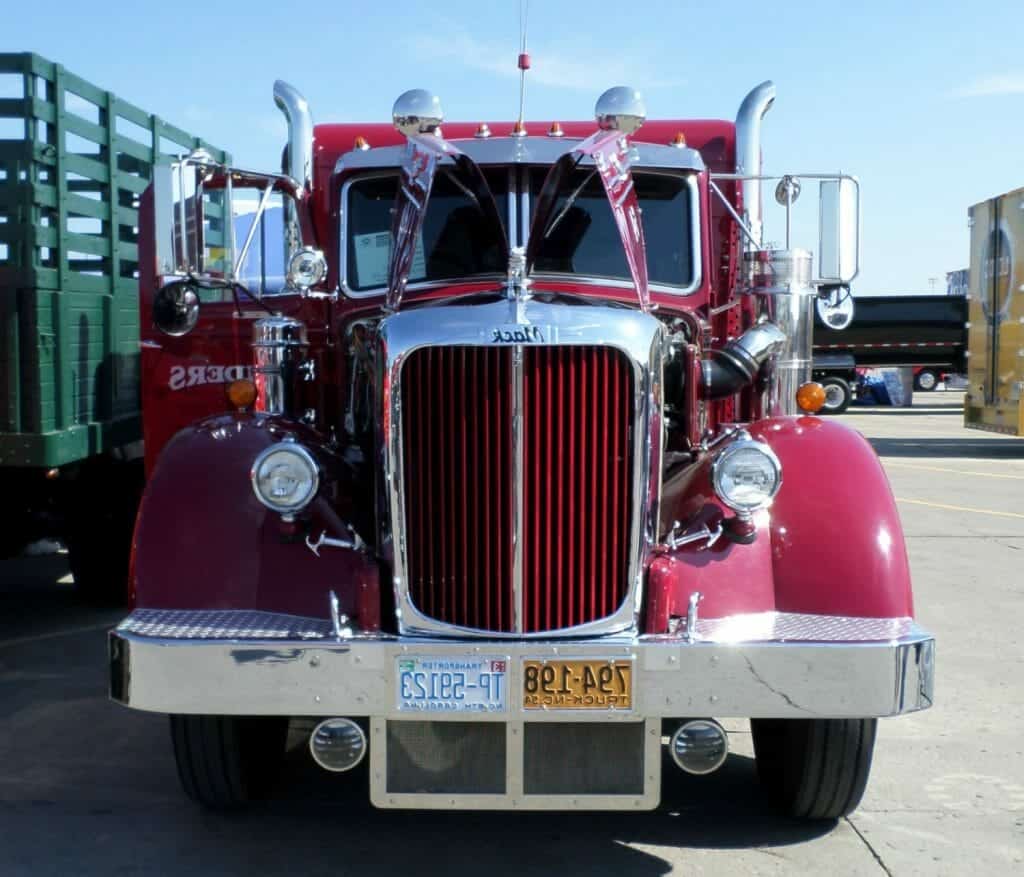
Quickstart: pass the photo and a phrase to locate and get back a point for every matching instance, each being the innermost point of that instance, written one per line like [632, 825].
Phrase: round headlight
[746, 475]
[285, 477]
[306, 268]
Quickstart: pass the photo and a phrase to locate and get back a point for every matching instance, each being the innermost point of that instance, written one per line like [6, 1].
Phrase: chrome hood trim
[638, 335]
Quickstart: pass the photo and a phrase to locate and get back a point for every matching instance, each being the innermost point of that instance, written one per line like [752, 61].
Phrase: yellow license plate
[578, 685]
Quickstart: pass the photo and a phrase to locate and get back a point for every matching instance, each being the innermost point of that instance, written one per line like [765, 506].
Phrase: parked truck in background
[74, 160]
[995, 371]
[925, 332]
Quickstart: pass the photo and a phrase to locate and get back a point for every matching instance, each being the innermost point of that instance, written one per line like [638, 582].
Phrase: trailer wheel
[98, 530]
[838, 395]
[814, 768]
[226, 761]
[926, 380]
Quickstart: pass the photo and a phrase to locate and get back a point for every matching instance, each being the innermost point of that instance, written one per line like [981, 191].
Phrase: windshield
[454, 243]
[581, 237]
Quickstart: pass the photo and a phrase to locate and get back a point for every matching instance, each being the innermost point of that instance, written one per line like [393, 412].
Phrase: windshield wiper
[568, 204]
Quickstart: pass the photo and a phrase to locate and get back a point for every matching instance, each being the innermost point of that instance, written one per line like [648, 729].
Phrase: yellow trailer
[995, 335]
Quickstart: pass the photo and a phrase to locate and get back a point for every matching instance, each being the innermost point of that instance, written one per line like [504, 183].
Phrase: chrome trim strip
[639, 336]
[838, 667]
[518, 453]
[526, 150]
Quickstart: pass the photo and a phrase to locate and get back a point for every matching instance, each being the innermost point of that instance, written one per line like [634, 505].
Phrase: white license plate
[451, 685]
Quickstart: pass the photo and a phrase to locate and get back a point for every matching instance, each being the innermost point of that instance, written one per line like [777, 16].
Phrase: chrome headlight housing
[285, 477]
[306, 268]
[746, 475]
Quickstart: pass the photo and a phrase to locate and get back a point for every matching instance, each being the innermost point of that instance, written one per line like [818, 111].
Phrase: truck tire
[226, 761]
[98, 530]
[814, 768]
[926, 380]
[838, 395]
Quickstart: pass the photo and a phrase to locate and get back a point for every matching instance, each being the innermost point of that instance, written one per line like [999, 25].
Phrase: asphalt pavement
[87, 787]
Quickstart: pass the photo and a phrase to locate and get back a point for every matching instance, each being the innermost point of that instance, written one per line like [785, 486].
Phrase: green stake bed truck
[74, 160]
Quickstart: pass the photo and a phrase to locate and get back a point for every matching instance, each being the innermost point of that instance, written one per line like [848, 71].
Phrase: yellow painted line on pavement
[955, 471]
[959, 508]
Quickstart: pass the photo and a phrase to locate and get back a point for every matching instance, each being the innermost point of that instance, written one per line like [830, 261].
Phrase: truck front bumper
[513, 757]
[768, 665]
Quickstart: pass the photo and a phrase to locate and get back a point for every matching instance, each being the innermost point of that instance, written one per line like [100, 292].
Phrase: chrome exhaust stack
[699, 746]
[782, 277]
[748, 151]
[299, 165]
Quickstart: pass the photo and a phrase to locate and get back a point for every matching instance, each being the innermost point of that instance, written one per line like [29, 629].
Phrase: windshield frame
[515, 230]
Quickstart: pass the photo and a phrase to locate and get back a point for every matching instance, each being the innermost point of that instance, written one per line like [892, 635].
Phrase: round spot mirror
[176, 308]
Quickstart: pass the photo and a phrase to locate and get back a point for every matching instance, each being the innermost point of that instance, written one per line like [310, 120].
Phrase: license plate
[578, 685]
[451, 685]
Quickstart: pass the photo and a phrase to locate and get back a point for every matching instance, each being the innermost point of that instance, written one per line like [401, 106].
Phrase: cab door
[227, 234]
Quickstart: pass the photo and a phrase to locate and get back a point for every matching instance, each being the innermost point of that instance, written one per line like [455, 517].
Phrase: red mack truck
[487, 454]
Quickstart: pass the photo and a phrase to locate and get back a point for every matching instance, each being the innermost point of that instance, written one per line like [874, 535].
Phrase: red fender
[837, 541]
[831, 544]
[203, 540]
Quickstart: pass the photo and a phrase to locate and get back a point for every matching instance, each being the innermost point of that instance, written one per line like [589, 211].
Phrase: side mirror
[176, 308]
[219, 226]
[191, 221]
[838, 231]
[835, 307]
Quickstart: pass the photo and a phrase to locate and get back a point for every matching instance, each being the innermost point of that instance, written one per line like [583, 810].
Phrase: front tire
[838, 395]
[226, 761]
[814, 768]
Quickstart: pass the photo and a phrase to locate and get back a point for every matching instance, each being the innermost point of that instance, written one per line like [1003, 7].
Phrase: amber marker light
[810, 397]
[361, 143]
[241, 394]
[679, 141]
[555, 130]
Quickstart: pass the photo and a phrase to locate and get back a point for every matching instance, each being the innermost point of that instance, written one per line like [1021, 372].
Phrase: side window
[453, 244]
[262, 272]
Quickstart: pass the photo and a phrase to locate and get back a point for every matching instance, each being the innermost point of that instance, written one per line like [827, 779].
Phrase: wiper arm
[462, 187]
[568, 204]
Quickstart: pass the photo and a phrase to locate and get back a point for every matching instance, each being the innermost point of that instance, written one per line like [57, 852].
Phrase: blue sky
[923, 101]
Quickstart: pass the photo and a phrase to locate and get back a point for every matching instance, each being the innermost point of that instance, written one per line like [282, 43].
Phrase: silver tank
[278, 343]
[783, 277]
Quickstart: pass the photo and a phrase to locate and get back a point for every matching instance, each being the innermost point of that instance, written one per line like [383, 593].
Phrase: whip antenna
[524, 62]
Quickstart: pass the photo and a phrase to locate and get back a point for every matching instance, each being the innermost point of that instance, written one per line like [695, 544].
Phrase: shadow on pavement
[992, 448]
[332, 814]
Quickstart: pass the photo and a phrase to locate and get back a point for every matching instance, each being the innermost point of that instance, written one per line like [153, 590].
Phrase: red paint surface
[203, 540]
[831, 544]
[837, 541]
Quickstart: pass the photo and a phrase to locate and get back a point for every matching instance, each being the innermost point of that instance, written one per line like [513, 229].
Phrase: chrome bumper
[769, 665]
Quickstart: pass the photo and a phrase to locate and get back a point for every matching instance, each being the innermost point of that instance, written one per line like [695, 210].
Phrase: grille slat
[575, 482]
